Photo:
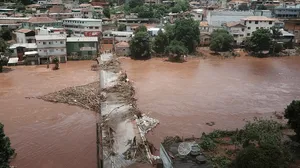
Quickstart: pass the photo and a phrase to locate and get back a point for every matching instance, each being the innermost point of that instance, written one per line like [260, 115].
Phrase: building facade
[287, 11]
[50, 46]
[254, 23]
[293, 26]
[24, 36]
[82, 48]
[83, 27]
[237, 30]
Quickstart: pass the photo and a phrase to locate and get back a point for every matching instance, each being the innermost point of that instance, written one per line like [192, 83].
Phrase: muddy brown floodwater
[185, 96]
[44, 134]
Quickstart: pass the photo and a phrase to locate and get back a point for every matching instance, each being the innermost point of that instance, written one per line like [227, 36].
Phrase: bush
[5, 150]
[207, 143]
[292, 113]
[268, 156]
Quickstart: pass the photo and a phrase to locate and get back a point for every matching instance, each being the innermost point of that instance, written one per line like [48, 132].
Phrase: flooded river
[47, 135]
[184, 97]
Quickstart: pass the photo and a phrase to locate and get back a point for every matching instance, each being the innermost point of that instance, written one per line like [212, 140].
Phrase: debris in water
[210, 123]
[146, 124]
[86, 96]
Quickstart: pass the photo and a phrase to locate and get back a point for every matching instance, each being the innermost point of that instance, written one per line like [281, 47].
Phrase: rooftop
[83, 19]
[41, 20]
[26, 45]
[82, 39]
[50, 37]
[23, 30]
[233, 24]
[232, 13]
[259, 18]
[204, 24]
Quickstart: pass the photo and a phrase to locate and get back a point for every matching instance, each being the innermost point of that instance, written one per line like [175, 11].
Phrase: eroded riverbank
[184, 97]
[45, 134]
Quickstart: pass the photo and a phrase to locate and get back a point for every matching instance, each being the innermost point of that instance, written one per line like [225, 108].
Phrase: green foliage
[221, 161]
[183, 4]
[277, 47]
[221, 40]
[243, 7]
[140, 46]
[207, 143]
[292, 113]
[106, 12]
[160, 42]
[176, 9]
[276, 33]
[262, 7]
[135, 3]
[269, 156]
[261, 40]
[3, 45]
[5, 34]
[187, 31]
[261, 132]
[5, 149]
[145, 11]
[175, 50]
[141, 28]
[122, 27]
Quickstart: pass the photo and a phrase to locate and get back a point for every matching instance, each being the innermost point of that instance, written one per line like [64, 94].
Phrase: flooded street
[44, 134]
[184, 97]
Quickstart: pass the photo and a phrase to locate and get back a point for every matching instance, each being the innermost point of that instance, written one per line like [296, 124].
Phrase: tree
[292, 113]
[145, 12]
[184, 5]
[140, 46]
[106, 12]
[262, 7]
[3, 45]
[243, 7]
[134, 3]
[187, 31]
[221, 40]
[122, 27]
[160, 42]
[141, 28]
[261, 40]
[175, 50]
[6, 152]
[262, 157]
[176, 9]
[5, 34]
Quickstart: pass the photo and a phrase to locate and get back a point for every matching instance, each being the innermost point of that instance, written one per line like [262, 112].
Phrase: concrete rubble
[123, 127]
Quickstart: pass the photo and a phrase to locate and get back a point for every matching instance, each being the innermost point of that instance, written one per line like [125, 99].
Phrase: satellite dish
[184, 148]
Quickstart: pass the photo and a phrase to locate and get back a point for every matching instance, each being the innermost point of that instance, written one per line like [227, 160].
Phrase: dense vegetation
[6, 152]
[140, 47]
[292, 113]
[221, 40]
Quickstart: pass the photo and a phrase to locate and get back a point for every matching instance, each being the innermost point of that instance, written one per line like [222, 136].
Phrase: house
[88, 11]
[50, 46]
[12, 22]
[266, 13]
[237, 30]
[153, 31]
[19, 49]
[204, 27]
[205, 38]
[41, 21]
[253, 23]
[197, 14]
[110, 37]
[32, 7]
[287, 11]
[24, 36]
[83, 27]
[56, 16]
[216, 19]
[82, 48]
[122, 49]
[293, 26]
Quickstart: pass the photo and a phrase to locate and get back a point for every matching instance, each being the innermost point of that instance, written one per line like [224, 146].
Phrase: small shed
[122, 49]
[32, 58]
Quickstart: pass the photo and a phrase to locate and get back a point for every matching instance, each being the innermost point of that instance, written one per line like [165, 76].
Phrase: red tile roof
[41, 20]
[23, 30]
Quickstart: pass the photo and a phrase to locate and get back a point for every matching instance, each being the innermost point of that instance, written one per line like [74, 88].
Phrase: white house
[50, 46]
[25, 36]
[253, 23]
[237, 30]
[83, 27]
[197, 14]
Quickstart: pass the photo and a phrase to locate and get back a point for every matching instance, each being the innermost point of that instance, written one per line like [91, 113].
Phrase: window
[235, 35]
[248, 34]
[62, 50]
[248, 28]
[45, 50]
[80, 45]
[249, 21]
[241, 35]
[44, 43]
[51, 50]
[96, 27]
[91, 45]
[270, 22]
[256, 28]
[61, 42]
[243, 29]
[50, 42]
[90, 53]
[256, 22]
[91, 27]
